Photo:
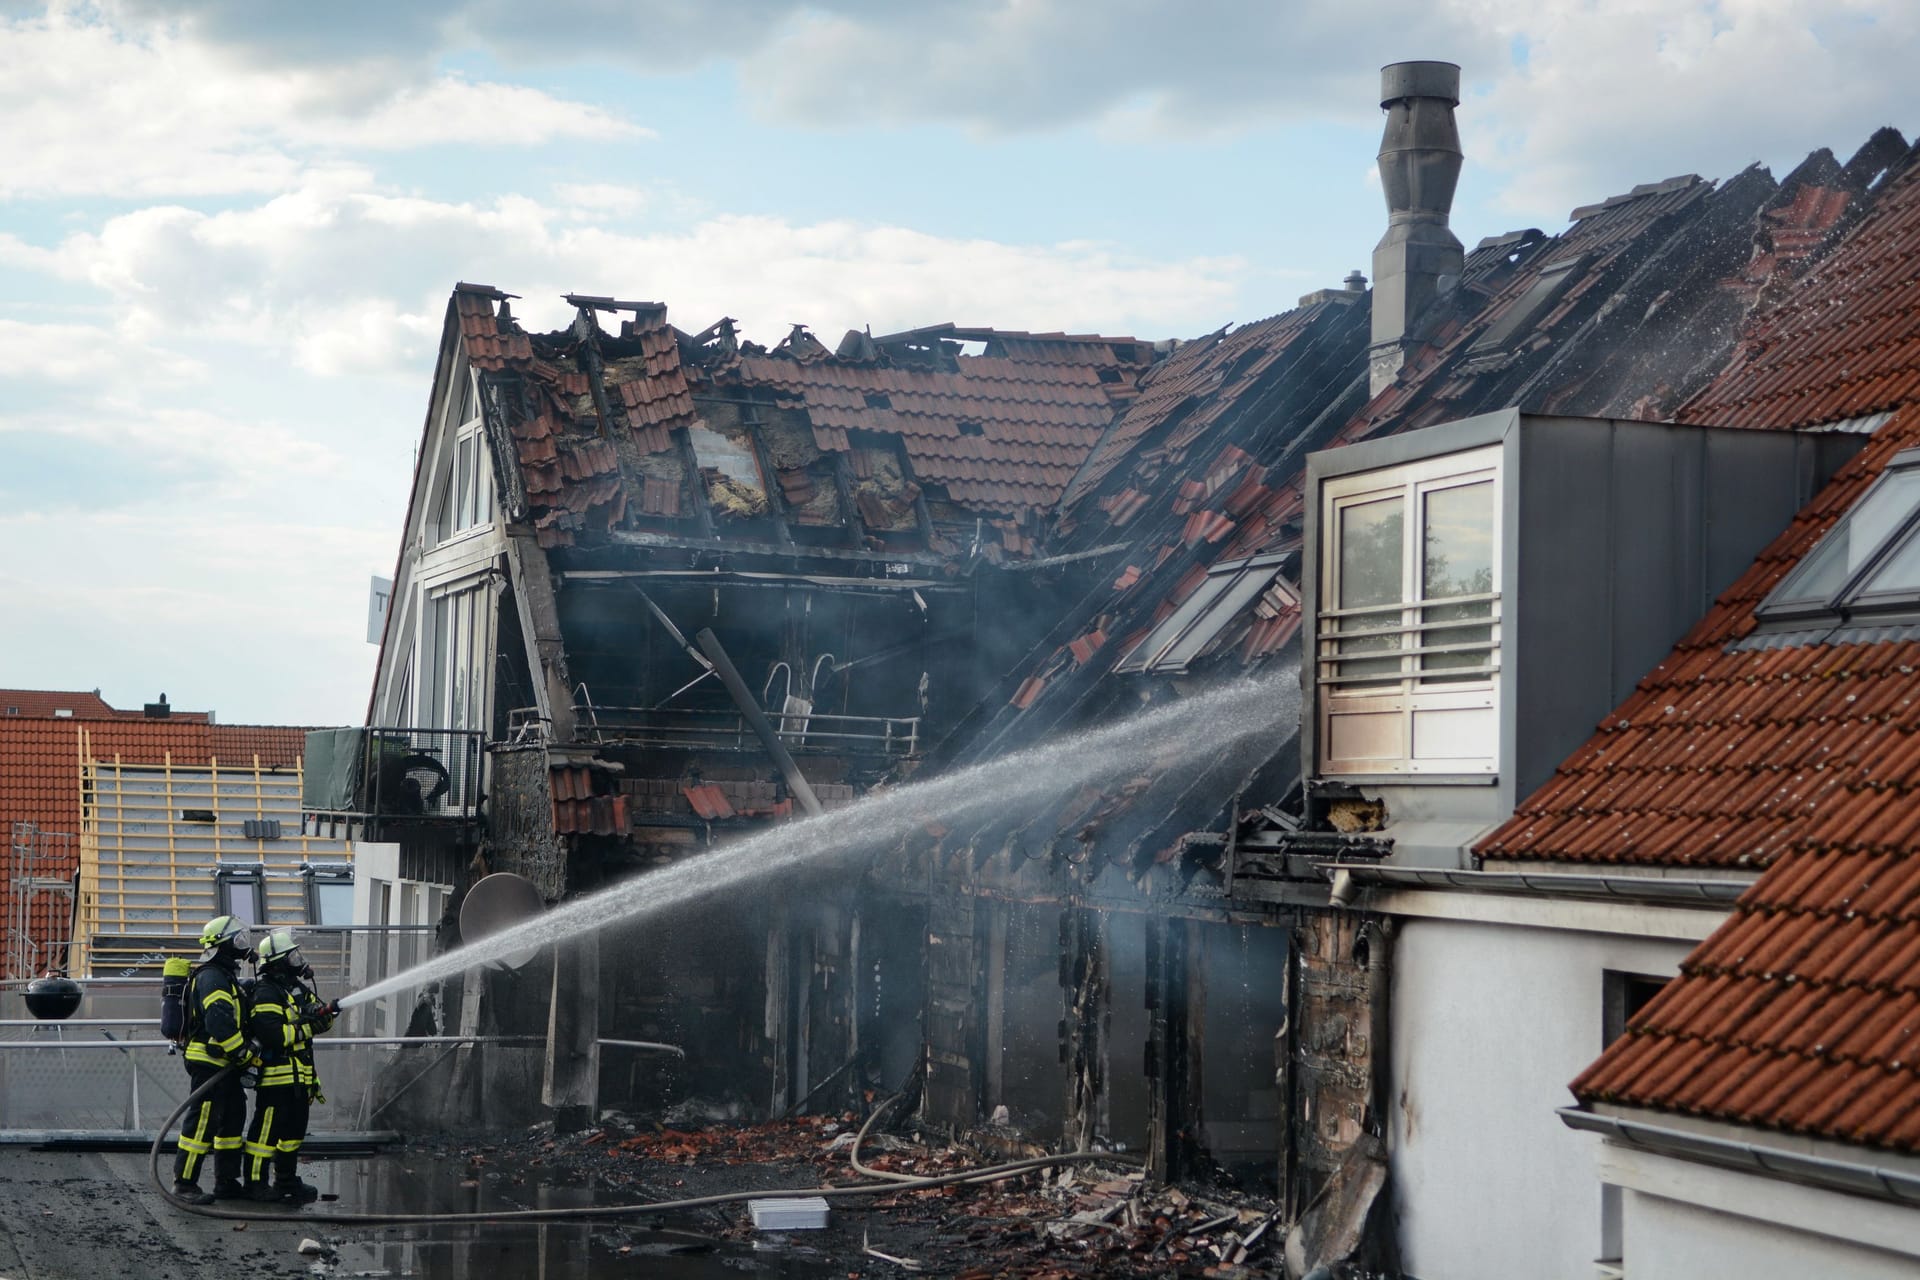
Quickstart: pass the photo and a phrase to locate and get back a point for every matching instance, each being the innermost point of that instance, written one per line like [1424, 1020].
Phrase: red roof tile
[40, 763]
[1802, 1012]
[56, 702]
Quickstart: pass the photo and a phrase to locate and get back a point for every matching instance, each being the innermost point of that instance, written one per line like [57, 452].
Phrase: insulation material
[882, 491]
[730, 471]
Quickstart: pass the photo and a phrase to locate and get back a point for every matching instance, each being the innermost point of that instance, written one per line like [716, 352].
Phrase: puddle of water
[602, 1250]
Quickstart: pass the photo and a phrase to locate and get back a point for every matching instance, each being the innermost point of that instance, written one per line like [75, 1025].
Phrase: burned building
[683, 587]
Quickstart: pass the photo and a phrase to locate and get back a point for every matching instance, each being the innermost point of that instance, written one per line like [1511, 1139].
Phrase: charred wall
[521, 837]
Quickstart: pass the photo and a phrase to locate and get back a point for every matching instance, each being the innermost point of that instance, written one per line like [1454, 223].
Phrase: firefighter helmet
[230, 930]
[280, 946]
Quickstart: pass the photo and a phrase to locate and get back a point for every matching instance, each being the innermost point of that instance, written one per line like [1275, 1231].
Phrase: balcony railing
[393, 775]
[815, 733]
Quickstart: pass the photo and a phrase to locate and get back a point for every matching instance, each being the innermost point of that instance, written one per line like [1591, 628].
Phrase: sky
[228, 230]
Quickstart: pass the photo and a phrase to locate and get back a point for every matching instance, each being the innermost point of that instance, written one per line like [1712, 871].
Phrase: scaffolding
[41, 874]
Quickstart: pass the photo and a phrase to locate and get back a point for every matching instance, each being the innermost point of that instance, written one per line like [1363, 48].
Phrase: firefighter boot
[226, 1176]
[185, 1188]
[287, 1183]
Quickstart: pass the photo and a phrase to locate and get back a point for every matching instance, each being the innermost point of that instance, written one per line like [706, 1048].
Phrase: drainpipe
[757, 720]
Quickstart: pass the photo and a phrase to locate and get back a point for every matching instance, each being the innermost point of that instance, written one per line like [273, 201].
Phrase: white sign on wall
[379, 596]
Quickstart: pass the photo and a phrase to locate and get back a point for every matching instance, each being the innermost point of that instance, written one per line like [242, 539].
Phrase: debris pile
[1085, 1220]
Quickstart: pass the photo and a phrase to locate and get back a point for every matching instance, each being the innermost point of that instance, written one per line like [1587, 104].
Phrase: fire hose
[894, 1183]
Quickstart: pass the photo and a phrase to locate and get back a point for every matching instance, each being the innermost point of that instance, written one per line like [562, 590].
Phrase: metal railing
[816, 732]
[400, 774]
[1434, 642]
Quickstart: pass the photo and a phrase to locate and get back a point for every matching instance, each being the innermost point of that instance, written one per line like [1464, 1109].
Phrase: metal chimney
[1419, 161]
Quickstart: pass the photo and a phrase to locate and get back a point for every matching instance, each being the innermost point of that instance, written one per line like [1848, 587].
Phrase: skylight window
[1868, 561]
[1190, 629]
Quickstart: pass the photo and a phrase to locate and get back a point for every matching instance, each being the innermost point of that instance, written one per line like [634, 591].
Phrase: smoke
[1197, 729]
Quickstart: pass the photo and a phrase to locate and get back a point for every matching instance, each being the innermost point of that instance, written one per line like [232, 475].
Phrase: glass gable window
[1868, 561]
[1190, 630]
[1407, 629]
[465, 498]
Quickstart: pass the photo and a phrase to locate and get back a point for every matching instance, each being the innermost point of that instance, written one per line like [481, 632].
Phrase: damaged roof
[908, 436]
[1796, 755]
[1632, 309]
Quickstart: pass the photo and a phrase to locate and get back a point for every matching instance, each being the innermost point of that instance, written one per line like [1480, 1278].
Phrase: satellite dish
[497, 903]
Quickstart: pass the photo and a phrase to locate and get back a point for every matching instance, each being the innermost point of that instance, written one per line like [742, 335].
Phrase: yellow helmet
[228, 929]
[280, 945]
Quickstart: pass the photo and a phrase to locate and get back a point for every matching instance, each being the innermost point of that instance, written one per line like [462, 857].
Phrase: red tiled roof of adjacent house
[40, 764]
[1723, 758]
[87, 703]
[1731, 757]
[1802, 1011]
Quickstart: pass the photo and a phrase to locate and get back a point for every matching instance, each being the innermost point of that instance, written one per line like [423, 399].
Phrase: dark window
[243, 894]
[1623, 996]
[972, 429]
[1868, 561]
[879, 400]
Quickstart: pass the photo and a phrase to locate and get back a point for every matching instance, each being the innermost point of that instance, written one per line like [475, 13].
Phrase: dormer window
[1408, 621]
[1868, 562]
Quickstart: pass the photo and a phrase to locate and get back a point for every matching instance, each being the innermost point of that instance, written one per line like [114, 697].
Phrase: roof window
[1191, 629]
[1869, 561]
[1530, 307]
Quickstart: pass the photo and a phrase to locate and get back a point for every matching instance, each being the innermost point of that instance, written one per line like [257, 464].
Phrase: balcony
[387, 779]
[812, 733]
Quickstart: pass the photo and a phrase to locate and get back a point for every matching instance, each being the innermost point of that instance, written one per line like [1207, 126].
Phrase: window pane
[334, 898]
[1457, 560]
[463, 483]
[1849, 543]
[241, 900]
[1371, 560]
[1899, 575]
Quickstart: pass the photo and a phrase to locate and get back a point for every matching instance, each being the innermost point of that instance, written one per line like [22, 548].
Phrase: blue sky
[227, 231]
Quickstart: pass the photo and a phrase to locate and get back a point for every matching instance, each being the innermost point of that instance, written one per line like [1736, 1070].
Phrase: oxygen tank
[174, 976]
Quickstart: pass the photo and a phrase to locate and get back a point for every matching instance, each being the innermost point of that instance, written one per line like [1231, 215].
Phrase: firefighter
[286, 1016]
[216, 1017]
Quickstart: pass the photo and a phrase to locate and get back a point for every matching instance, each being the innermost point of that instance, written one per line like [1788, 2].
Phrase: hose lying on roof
[896, 1182]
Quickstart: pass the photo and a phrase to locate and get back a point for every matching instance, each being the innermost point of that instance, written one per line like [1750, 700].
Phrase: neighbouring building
[126, 833]
[659, 589]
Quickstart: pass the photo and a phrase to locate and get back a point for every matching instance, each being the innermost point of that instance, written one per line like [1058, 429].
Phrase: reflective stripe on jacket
[216, 1016]
[277, 1026]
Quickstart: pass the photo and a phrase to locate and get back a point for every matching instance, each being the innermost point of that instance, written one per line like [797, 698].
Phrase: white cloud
[1607, 96]
[83, 354]
[95, 110]
[352, 281]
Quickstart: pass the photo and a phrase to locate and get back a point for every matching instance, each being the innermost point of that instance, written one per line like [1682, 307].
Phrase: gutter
[1821, 1171]
[1619, 888]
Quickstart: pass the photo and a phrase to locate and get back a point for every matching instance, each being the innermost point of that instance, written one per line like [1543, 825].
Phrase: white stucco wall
[1490, 1022]
[1673, 1240]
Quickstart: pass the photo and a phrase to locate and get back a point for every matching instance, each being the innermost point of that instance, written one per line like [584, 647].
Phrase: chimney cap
[1400, 80]
[1355, 282]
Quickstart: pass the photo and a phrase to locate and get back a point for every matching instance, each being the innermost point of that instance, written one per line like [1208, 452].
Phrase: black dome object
[52, 999]
[410, 784]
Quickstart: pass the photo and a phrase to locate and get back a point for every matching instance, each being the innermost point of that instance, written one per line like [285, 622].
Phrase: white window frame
[1429, 722]
[463, 502]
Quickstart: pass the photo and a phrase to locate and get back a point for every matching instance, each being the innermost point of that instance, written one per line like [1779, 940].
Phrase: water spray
[1215, 723]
